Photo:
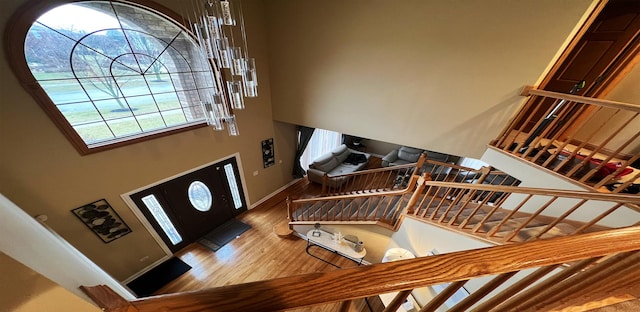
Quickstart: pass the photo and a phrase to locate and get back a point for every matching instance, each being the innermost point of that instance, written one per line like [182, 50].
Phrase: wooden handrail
[336, 286]
[576, 137]
[108, 299]
[618, 197]
[584, 100]
[371, 179]
[485, 173]
[375, 170]
[349, 196]
[452, 166]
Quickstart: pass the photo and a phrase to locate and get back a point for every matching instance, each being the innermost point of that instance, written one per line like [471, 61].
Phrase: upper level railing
[446, 172]
[382, 206]
[507, 214]
[373, 180]
[592, 141]
[397, 177]
[366, 181]
[566, 271]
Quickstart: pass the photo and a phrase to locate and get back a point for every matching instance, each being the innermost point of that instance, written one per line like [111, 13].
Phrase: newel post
[420, 184]
[107, 299]
[289, 213]
[421, 160]
[325, 181]
[485, 173]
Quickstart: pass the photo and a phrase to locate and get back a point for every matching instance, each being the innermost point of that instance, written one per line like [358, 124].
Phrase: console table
[343, 248]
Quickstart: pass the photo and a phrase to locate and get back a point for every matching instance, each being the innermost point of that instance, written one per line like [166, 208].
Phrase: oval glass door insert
[200, 196]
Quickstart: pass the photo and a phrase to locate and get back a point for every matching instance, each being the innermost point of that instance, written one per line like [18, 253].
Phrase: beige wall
[43, 174]
[440, 75]
[380, 148]
[628, 89]
[600, 128]
[29, 291]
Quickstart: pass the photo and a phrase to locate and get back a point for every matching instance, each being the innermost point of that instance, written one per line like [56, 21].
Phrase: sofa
[341, 160]
[402, 156]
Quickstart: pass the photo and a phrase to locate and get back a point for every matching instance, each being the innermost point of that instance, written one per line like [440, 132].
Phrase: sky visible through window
[84, 19]
[113, 78]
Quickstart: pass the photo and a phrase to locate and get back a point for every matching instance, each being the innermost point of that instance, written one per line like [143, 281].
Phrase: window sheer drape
[304, 136]
[322, 141]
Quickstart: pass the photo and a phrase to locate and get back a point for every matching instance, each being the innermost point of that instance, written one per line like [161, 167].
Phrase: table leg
[309, 245]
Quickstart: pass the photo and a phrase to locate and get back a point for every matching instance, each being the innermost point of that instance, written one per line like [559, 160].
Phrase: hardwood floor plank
[258, 253]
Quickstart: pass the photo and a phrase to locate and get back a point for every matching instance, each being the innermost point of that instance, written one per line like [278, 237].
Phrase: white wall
[534, 176]
[30, 243]
[421, 239]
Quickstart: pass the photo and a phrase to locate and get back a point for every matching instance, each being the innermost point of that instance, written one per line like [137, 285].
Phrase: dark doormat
[223, 234]
[148, 283]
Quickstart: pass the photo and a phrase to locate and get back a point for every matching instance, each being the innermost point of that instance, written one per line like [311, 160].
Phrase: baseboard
[253, 205]
[145, 270]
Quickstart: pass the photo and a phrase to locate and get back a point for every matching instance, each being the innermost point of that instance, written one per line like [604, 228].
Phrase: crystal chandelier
[219, 27]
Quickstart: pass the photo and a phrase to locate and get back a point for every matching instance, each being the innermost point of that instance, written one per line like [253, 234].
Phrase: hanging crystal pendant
[202, 35]
[225, 53]
[238, 61]
[214, 26]
[221, 106]
[212, 21]
[235, 94]
[213, 117]
[231, 126]
[227, 13]
[250, 78]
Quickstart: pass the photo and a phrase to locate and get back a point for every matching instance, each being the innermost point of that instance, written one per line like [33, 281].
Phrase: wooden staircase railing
[441, 171]
[372, 180]
[506, 214]
[446, 172]
[591, 141]
[397, 177]
[383, 208]
[565, 271]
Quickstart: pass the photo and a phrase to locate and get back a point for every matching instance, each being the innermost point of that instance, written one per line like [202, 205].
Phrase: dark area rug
[223, 234]
[148, 283]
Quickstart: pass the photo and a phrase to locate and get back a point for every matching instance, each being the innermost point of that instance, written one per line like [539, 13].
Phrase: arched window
[110, 73]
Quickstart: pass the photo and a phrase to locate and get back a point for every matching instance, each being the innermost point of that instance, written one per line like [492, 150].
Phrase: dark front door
[185, 208]
[199, 201]
[605, 47]
[233, 185]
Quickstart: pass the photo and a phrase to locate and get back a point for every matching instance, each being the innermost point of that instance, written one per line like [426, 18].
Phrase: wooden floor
[259, 254]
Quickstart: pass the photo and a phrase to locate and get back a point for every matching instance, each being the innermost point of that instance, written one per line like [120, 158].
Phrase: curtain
[322, 141]
[304, 136]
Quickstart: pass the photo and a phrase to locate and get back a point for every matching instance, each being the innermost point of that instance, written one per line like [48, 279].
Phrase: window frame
[14, 39]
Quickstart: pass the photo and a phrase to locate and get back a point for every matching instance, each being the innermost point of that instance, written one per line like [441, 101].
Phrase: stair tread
[560, 229]
[512, 224]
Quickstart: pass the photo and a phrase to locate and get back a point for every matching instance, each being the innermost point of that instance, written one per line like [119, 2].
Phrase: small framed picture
[102, 220]
[268, 158]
